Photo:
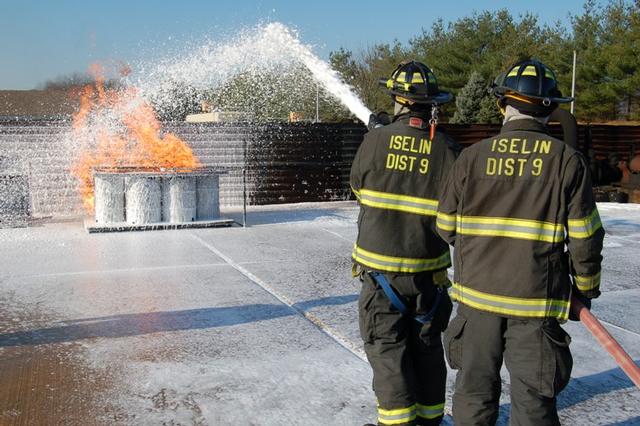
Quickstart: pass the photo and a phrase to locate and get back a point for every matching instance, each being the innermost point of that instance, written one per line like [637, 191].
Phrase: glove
[378, 120]
[585, 301]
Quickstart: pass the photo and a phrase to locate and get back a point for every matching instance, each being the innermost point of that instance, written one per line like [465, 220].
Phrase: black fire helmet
[412, 83]
[529, 86]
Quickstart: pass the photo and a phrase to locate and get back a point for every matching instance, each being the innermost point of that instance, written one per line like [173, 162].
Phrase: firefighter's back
[398, 173]
[510, 244]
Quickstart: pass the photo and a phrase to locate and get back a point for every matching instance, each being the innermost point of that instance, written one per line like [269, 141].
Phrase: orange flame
[138, 143]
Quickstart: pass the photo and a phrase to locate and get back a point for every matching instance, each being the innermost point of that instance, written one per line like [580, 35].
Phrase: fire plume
[118, 128]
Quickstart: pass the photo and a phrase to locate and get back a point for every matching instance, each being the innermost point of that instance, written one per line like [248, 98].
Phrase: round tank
[143, 199]
[109, 198]
[179, 199]
[208, 197]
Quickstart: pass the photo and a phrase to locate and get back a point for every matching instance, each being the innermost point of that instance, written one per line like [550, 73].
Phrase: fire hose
[595, 327]
[607, 341]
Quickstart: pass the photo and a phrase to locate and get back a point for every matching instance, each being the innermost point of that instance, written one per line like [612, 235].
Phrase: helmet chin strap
[501, 107]
[519, 98]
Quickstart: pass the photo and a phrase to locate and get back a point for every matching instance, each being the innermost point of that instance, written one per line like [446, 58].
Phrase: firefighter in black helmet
[511, 205]
[404, 305]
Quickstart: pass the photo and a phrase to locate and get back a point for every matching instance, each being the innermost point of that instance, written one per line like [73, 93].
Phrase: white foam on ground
[198, 336]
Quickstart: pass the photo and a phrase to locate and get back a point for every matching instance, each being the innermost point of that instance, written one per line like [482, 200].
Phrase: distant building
[220, 117]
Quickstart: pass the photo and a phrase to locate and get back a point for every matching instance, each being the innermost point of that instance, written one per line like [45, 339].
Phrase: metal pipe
[244, 185]
[607, 341]
[317, 103]
[573, 82]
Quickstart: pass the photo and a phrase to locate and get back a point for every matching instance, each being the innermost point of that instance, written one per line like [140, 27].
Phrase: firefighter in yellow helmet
[404, 305]
[510, 206]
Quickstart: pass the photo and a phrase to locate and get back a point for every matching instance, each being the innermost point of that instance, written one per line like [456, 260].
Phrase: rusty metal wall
[285, 162]
[623, 141]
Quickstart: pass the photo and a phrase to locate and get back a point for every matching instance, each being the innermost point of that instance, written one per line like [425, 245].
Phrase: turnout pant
[407, 358]
[536, 353]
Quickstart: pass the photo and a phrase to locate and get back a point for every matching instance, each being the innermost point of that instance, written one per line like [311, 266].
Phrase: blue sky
[41, 40]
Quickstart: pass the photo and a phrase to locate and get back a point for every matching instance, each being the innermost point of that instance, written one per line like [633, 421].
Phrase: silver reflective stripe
[538, 308]
[585, 227]
[509, 306]
[556, 235]
[445, 222]
[429, 209]
[430, 412]
[397, 416]
[389, 263]
[407, 416]
[588, 282]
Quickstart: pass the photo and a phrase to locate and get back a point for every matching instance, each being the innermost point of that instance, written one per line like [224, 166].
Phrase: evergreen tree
[489, 112]
[471, 103]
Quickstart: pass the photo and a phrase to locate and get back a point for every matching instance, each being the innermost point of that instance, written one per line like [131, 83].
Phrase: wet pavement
[254, 326]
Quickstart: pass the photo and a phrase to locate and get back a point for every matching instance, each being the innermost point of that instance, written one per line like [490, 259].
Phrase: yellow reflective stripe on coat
[382, 262]
[586, 226]
[446, 222]
[515, 306]
[356, 193]
[588, 282]
[397, 416]
[403, 203]
[430, 411]
[511, 228]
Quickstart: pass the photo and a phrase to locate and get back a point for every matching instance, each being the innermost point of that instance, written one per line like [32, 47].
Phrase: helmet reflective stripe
[415, 81]
[549, 74]
[514, 72]
[417, 78]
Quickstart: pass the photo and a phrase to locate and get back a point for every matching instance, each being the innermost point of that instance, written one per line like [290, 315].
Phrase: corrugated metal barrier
[285, 163]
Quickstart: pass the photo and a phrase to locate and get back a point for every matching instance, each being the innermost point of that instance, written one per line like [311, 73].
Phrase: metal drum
[179, 199]
[143, 199]
[108, 198]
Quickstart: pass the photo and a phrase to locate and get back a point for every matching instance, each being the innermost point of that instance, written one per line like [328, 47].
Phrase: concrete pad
[66, 247]
[223, 344]
[236, 326]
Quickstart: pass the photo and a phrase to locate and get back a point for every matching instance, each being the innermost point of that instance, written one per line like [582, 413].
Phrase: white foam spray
[265, 49]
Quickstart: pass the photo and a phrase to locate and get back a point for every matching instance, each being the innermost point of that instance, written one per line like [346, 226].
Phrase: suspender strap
[386, 287]
[382, 281]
